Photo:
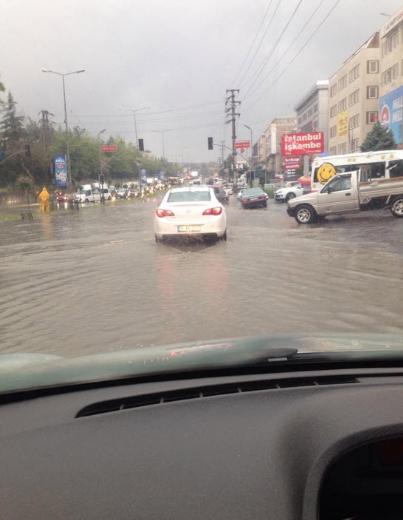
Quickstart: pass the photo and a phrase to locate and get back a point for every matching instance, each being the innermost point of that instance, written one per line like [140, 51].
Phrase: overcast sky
[176, 57]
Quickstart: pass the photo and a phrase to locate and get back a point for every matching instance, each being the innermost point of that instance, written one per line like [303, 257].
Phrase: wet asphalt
[94, 280]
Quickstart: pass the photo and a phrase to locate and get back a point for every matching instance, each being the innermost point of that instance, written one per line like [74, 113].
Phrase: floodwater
[94, 280]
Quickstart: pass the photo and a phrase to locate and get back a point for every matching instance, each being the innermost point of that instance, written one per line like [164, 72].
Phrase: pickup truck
[345, 193]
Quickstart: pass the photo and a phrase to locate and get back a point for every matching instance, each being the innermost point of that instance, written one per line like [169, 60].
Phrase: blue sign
[143, 174]
[391, 113]
[162, 175]
[60, 169]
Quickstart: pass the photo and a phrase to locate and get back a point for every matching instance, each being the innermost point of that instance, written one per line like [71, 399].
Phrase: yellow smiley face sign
[326, 172]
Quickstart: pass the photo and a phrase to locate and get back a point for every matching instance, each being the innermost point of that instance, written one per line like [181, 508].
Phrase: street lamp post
[100, 177]
[134, 112]
[162, 132]
[66, 124]
[251, 141]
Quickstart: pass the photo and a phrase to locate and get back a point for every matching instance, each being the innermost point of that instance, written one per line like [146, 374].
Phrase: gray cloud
[167, 54]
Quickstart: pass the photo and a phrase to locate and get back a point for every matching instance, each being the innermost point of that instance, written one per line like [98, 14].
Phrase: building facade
[313, 110]
[391, 76]
[354, 97]
[273, 134]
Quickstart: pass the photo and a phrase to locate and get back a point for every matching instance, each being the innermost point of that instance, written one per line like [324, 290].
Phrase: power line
[244, 75]
[307, 41]
[266, 61]
[261, 25]
[307, 22]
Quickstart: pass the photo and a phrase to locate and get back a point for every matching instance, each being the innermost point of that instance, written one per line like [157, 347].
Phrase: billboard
[302, 143]
[242, 145]
[342, 123]
[391, 113]
[109, 148]
[60, 171]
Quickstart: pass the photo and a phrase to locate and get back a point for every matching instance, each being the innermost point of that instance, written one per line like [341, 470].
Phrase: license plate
[188, 229]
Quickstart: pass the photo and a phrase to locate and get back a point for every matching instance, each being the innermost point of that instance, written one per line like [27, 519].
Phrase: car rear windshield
[253, 191]
[189, 196]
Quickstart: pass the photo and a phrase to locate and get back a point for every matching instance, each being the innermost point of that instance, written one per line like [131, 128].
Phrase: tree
[11, 125]
[379, 138]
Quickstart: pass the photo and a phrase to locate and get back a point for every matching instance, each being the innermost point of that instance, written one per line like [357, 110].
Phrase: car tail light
[164, 213]
[213, 211]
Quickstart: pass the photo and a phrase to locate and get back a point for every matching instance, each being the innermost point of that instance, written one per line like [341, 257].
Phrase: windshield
[189, 196]
[193, 143]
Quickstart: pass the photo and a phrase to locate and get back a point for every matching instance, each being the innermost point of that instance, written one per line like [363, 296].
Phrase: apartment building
[313, 110]
[353, 98]
[391, 76]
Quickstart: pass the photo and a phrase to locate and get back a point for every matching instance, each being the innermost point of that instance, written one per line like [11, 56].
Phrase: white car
[289, 191]
[87, 196]
[190, 211]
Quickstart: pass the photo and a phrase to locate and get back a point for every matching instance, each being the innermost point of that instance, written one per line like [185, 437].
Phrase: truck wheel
[305, 214]
[290, 196]
[397, 207]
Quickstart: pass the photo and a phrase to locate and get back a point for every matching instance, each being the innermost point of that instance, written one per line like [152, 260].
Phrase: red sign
[292, 162]
[242, 144]
[109, 148]
[302, 143]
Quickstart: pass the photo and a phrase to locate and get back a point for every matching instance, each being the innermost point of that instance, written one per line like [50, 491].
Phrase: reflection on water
[94, 280]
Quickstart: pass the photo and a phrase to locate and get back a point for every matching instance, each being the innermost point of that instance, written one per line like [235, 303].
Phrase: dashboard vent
[125, 403]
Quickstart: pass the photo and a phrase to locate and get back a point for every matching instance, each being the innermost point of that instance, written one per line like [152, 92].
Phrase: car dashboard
[324, 444]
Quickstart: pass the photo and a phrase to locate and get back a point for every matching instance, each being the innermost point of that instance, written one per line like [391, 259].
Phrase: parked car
[254, 198]
[347, 193]
[191, 211]
[291, 190]
[87, 196]
[221, 195]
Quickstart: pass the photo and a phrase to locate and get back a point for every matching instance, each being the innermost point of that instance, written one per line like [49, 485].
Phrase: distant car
[254, 198]
[191, 211]
[87, 196]
[121, 193]
[106, 193]
[291, 190]
[221, 195]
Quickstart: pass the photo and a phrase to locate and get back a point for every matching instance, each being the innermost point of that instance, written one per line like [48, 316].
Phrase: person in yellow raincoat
[43, 198]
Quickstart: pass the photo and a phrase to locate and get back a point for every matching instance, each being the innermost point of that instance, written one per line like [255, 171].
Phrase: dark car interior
[321, 443]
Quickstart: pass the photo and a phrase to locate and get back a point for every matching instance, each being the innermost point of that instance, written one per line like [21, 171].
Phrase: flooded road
[94, 280]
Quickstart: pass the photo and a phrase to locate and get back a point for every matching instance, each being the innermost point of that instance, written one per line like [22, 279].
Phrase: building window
[372, 117]
[354, 73]
[342, 105]
[333, 131]
[391, 42]
[372, 66]
[342, 83]
[372, 92]
[333, 111]
[354, 121]
[333, 90]
[354, 98]
[390, 74]
[355, 145]
[342, 148]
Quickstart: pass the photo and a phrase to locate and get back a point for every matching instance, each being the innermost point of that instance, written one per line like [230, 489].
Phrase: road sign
[302, 143]
[242, 145]
[109, 148]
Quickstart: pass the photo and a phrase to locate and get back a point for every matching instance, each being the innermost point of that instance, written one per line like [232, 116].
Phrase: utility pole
[231, 104]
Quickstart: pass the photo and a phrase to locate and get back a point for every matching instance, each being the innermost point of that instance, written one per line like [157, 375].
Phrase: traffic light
[141, 145]
[210, 143]
[27, 150]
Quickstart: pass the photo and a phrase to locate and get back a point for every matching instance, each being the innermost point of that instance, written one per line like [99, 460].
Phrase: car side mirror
[329, 190]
